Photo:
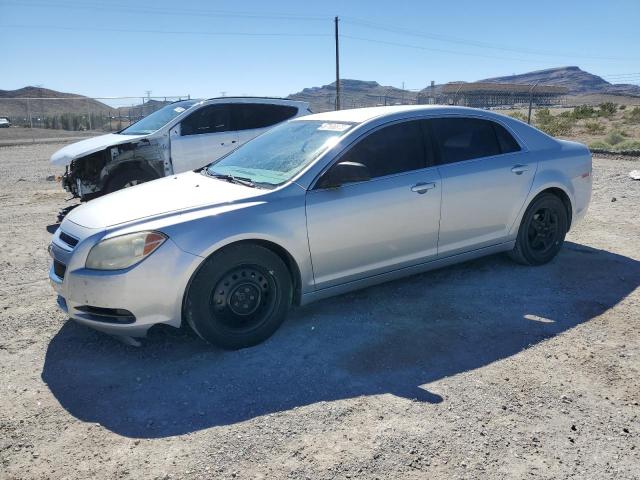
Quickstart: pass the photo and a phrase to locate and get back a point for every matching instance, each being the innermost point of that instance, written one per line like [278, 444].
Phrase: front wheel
[127, 177]
[239, 297]
[542, 231]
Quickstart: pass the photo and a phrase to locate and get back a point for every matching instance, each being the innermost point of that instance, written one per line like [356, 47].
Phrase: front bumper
[123, 302]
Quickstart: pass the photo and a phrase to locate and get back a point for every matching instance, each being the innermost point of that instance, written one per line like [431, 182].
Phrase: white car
[179, 137]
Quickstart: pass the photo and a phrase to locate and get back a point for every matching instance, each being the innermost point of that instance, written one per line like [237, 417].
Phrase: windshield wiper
[247, 182]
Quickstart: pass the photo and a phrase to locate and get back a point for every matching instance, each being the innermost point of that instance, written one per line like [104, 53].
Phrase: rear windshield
[158, 119]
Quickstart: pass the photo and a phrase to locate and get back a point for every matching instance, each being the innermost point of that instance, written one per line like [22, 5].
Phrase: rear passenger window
[394, 149]
[461, 139]
[507, 143]
[210, 119]
[247, 116]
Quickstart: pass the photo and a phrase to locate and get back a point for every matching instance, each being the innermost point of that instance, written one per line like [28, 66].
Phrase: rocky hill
[369, 93]
[576, 80]
[13, 103]
[355, 93]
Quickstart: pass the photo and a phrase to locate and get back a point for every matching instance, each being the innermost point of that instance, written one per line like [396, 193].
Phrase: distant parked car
[179, 137]
[4, 122]
[316, 207]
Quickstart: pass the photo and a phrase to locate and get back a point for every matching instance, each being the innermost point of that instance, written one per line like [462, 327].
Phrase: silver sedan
[316, 207]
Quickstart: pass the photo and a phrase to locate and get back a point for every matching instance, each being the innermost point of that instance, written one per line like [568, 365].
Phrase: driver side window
[394, 149]
[209, 119]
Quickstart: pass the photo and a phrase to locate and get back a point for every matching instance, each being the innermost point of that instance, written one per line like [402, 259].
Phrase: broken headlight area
[83, 175]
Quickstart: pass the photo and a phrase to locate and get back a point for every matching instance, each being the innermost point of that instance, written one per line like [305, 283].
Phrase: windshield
[277, 155]
[158, 119]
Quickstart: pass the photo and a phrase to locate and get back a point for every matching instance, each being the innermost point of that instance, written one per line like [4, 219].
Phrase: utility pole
[337, 67]
[531, 101]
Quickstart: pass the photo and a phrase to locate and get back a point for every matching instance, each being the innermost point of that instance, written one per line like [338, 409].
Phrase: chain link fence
[106, 114]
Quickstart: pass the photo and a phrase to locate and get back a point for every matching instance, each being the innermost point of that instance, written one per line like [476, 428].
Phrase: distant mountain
[354, 93]
[13, 103]
[576, 80]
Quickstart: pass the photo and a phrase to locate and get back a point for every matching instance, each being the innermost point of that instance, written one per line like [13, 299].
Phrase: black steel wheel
[542, 231]
[244, 298]
[127, 177]
[239, 297]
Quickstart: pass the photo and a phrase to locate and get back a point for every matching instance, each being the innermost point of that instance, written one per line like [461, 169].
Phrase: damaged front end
[104, 171]
[82, 177]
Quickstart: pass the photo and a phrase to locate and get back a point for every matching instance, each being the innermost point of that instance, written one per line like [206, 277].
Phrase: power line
[441, 50]
[473, 43]
[171, 32]
[116, 7]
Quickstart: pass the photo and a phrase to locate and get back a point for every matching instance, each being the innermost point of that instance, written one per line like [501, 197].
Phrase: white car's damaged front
[110, 162]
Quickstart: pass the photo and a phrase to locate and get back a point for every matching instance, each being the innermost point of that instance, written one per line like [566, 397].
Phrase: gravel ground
[483, 370]
[23, 136]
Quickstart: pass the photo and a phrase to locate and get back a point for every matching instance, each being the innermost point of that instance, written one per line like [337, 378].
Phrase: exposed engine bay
[91, 176]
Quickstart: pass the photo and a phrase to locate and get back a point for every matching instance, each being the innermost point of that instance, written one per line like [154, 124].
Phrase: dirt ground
[20, 136]
[482, 370]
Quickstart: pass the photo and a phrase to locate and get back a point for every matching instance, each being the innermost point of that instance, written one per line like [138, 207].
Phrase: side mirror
[344, 172]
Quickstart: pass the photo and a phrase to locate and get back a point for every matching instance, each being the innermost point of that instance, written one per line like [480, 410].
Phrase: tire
[239, 297]
[542, 231]
[127, 177]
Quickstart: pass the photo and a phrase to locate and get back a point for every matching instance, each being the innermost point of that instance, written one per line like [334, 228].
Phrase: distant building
[491, 95]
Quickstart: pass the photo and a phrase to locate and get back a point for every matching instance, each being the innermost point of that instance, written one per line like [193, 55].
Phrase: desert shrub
[628, 145]
[583, 111]
[614, 137]
[599, 145]
[622, 107]
[518, 116]
[594, 127]
[633, 115]
[607, 109]
[554, 125]
[543, 115]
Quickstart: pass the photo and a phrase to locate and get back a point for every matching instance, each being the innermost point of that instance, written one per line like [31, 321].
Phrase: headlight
[124, 251]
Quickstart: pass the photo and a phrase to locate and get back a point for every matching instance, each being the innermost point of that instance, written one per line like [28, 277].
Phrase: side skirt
[404, 272]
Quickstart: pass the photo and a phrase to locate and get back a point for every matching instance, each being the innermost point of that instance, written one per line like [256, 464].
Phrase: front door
[202, 137]
[389, 222]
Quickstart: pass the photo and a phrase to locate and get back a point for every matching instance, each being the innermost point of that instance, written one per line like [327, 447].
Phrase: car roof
[267, 100]
[360, 115]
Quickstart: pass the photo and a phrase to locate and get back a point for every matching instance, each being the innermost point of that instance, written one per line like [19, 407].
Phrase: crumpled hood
[65, 155]
[166, 195]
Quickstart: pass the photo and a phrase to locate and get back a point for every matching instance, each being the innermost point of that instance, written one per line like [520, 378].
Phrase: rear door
[486, 177]
[252, 119]
[389, 222]
[202, 137]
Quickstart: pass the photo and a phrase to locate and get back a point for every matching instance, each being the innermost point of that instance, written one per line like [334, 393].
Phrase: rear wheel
[239, 297]
[127, 177]
[542, 231]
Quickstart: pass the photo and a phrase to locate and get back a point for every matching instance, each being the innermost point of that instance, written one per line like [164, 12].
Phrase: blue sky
[279, 47]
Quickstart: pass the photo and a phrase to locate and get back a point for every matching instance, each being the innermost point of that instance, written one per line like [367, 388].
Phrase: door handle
[422, 187]
[520, 169]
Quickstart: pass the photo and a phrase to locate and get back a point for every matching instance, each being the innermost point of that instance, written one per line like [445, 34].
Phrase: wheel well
[284, 255]
[128, 165]
[561, 194]
[288, 260]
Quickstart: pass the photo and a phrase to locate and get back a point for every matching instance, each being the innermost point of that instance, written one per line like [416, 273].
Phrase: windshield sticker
[179, 109]
[334, 127]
